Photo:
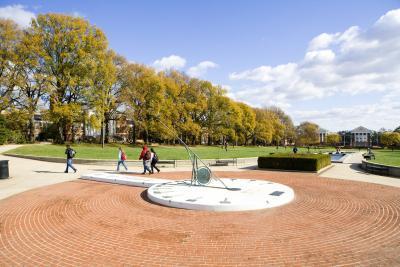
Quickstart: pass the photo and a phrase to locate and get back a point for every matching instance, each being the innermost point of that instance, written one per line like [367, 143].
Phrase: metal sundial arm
[193, 157]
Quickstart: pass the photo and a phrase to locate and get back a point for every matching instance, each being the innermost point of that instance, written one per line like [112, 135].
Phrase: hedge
[301, 162]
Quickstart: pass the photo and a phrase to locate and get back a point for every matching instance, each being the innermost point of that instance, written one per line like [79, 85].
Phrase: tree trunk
[32, 129]
[107, 131]
[101, 132]
[146, 136]
[134, 133]
[73, 133]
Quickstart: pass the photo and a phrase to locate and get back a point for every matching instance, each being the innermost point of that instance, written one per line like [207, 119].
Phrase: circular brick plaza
[330, 222]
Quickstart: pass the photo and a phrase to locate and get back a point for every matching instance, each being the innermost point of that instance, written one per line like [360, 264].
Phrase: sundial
[205, 191]
[253, 195]
[201, 173]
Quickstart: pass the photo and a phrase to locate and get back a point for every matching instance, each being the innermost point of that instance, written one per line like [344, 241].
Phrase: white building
[360, 137]
[322, 135]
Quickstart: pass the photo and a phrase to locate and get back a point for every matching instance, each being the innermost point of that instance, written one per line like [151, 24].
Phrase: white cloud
[354, 62]
[372, 116]
[322, 41]
[201, 68]
[17, 13]
[170, 62]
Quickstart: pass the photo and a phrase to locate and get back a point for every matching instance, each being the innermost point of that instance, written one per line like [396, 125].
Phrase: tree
[32, 84]
[10, 36]
[390, 139]
[397, 129]
[71, 50]
[307, 133]
[143, 98]
[247, 123]
[184, 94]
[285, 129]
[3, 130]
[263, 130]
[219, 113]
[333, 139]
[103, 96]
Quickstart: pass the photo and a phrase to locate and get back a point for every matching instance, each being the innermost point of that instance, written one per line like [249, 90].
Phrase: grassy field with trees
[63, 68]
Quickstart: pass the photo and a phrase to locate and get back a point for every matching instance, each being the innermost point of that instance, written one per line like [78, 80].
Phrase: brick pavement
[330, 222]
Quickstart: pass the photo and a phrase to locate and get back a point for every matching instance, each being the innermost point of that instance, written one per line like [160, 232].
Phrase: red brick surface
[330, 222]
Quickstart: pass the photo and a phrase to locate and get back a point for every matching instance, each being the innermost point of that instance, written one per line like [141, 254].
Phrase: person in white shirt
[121, 158]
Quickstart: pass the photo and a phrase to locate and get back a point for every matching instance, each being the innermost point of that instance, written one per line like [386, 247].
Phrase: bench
[224, 162]
[167, 162]
[368, 156]
[377, 169]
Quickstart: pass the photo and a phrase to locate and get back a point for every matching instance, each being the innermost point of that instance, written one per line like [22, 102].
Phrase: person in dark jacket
[70, 155]
[154, 160]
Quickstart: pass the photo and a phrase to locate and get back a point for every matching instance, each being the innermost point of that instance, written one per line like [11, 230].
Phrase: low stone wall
[162, 163]
[380, 169]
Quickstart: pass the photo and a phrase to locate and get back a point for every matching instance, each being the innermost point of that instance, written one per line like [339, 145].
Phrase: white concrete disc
[140, 181]
[253, 195]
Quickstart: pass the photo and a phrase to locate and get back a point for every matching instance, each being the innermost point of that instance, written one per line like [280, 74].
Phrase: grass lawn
[387, 157]
[94, 151]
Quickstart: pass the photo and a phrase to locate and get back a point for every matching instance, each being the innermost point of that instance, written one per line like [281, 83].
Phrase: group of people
[149, 157]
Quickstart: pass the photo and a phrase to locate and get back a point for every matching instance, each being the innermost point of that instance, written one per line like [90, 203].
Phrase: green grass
[387, 157]
[94, 151]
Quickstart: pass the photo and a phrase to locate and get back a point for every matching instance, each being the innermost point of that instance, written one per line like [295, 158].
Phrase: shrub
[3, 130]
[301, 162]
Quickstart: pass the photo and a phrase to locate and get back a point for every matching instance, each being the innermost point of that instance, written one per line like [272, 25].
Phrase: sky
[335, 63]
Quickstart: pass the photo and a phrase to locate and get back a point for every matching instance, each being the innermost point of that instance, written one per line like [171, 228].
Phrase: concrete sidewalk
[350, 170]
[28, 174]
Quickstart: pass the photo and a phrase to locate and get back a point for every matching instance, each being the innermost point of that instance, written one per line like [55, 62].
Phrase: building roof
[322, 130]
[361, 129]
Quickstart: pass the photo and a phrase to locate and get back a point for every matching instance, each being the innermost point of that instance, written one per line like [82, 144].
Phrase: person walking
[121, 158]
[70, 155]
[154, 160]
[145, 155]
[295, 150]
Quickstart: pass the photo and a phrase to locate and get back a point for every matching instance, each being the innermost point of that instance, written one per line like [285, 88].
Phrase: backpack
[147, 155]
[155, 158]
[123, 156]
[71, 153]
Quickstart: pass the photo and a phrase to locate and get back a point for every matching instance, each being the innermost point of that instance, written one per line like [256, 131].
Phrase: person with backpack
[154, 160]
[145, 155]
[70, 155]
[121, 158]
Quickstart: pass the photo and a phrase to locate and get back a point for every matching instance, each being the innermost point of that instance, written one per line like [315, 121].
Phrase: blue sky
[242, 43]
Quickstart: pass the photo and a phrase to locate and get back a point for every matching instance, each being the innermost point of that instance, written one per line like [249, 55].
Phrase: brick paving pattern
[330, 222]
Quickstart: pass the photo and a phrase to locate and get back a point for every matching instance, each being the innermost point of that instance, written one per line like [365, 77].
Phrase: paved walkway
[350, 170]
[78, 223]
[29, 174]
